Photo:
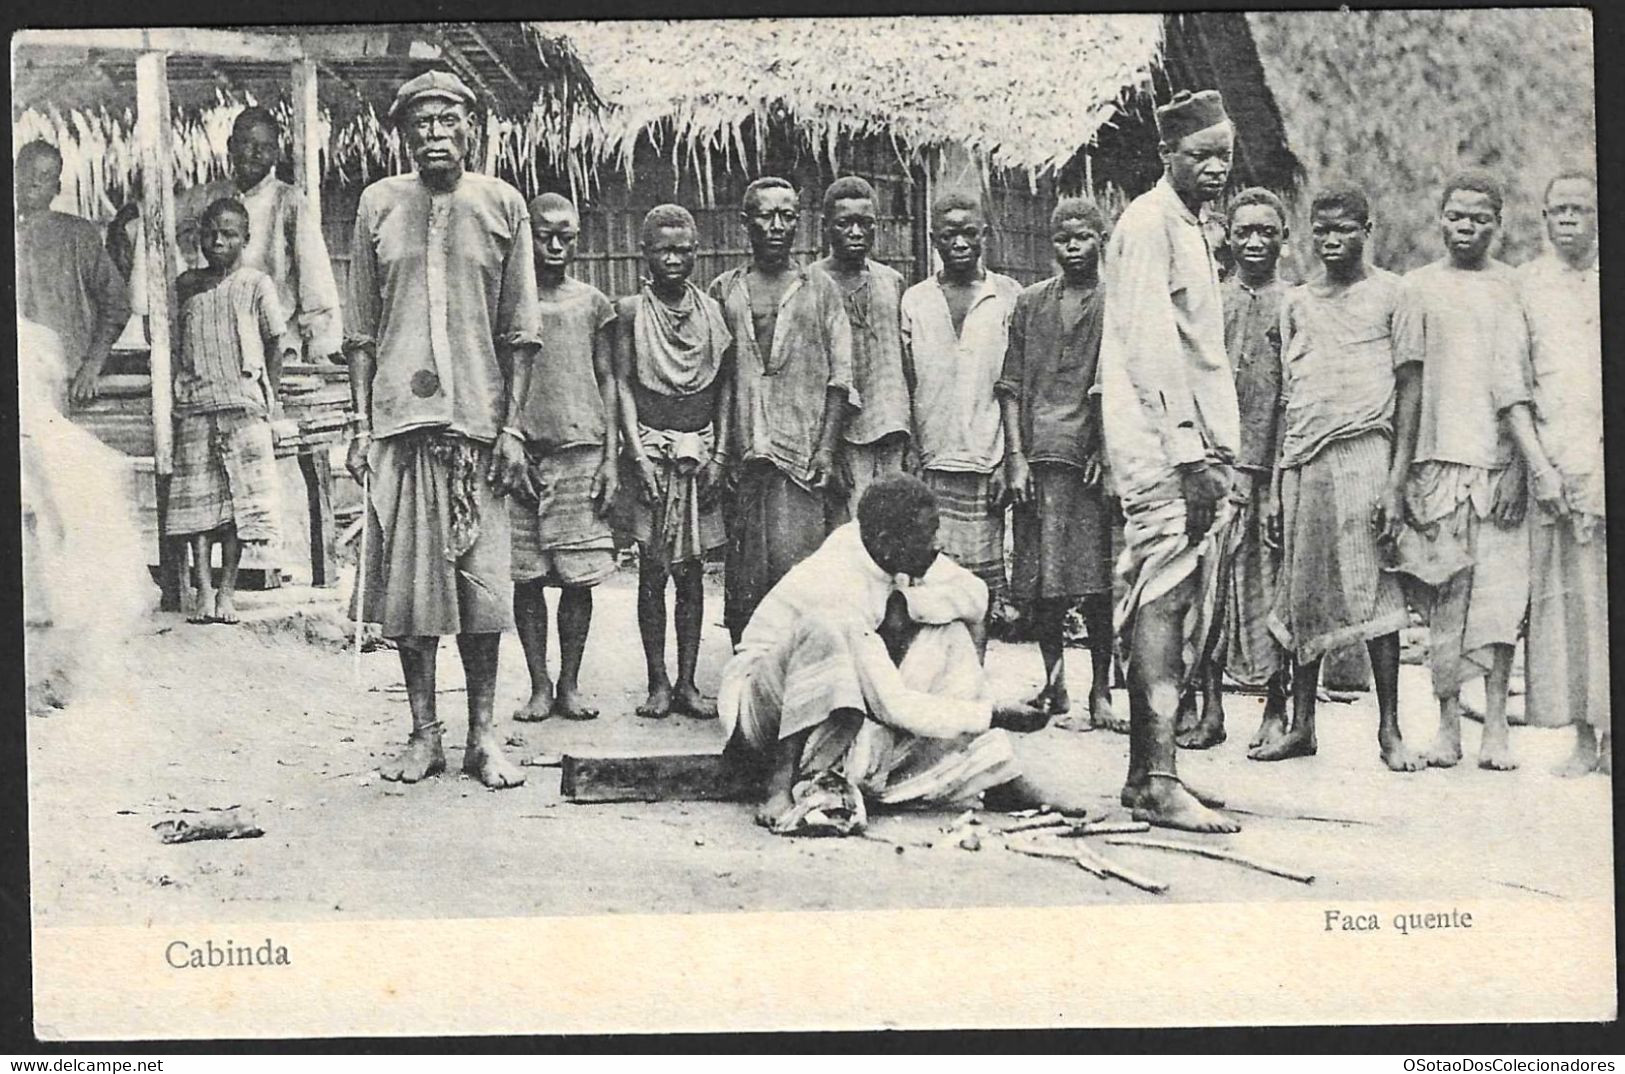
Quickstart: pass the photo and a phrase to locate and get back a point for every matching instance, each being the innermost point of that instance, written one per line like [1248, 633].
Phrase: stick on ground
[1217, 855]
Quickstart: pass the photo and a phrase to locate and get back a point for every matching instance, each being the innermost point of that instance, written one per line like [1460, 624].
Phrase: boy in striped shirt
[227, 374]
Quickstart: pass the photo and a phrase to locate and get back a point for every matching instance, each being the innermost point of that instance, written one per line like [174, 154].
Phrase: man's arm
[1147, 331]
[1017, 474]
[1547, 483]
[319, 316]
[111, 296]
[518, 329]
[362, 314]
[840, 392]
[603, 366]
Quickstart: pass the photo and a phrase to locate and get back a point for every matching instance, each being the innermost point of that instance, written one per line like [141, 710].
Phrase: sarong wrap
[864, 464]
[1158, 555]
[1063, 538]
[775, 523]
[675, 528]
[1566, 652]
[972, 526]
[1251, 655]
[1484, 604]
[926, 734]
[225, 471]
[560, 537]
[1332, 590]
[438, 547]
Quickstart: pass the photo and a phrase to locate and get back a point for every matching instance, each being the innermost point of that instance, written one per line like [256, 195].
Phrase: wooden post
[158, 231]
[307, 136]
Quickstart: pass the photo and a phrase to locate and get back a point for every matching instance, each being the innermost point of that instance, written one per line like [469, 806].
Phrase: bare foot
[773, 807]
[1495, 754]
[1445, 752]
[1291, 744]
[1401, 758]
[202, 608]
[423, 757]
[485, 761]
[1203, 735]
[688, 700]
[225, 611]
[568, 704]
[1101, 717]
[658, 706]
[1273, 725]
[1053, 699]
[1166, 803]
[1133, 793]
[540, 705]
[1185, 720]
[1585, 757]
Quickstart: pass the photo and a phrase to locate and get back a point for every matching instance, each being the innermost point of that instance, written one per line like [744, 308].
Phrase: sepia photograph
[752, 523]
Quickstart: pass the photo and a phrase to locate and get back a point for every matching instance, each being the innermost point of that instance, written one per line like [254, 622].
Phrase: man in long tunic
[65, 279]
[792, 386]
[860, 676]
[1567, 646]
[956, 326]
[1466, 496]
[1255, 231]
[442, 333]
[876, 437]
[1172, 433]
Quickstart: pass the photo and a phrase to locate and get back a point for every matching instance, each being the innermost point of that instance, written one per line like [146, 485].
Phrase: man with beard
[442, 332]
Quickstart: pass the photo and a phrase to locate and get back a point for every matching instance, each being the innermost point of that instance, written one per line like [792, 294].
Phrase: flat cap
[442, 84]
[1188, 113]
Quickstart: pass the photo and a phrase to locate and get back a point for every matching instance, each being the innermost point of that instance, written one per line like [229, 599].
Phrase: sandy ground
[258, 716]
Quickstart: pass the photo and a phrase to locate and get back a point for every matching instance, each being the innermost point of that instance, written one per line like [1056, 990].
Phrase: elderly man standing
[1567, 662]
[792, 383]
[65, 279]
[1172, 433]
[442, 331]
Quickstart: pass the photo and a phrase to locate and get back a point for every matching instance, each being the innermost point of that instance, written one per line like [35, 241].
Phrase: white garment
[956, 414]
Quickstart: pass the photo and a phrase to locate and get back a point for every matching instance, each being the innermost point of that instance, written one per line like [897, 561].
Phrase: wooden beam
[651, 777]
[307, 131]
[473, 30]
[229, 44]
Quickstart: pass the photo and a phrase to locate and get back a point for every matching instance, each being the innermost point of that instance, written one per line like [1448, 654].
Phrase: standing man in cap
[441, 334]
[1172, 434]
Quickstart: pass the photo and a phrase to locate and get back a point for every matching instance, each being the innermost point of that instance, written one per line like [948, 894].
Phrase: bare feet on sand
[1401, 758]
[1273, 725]
[1053, 699]
[568, 705]
[1166, 803]
[539, 707]
[423, 757]
[1495, 752]
[202, 608]
[225, 611]
[1291, 744]
[1444, 752]
[1206, 733]
[773, 807]
[485, 761]
[688, 700]
[1133, 793]
[1100, 713]
[658, 705]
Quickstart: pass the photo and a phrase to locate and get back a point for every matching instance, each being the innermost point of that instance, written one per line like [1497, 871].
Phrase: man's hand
[1203, 486]
[509, 471]
[1511, 497]
[712, 478]
[355, 458]
[1018, 475]
[86, 382]
[1091, 468]
[1018, 716]
[1273, 524]
[648, 483]
[604, 484]
[1547, 488]
[1388, 516]
[997, 491]
[823, 469]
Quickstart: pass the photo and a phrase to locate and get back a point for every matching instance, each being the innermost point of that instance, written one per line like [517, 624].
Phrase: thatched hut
[1398, 100]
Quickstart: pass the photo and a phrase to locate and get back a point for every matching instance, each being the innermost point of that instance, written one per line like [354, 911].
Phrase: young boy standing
[1255, 231]
[1352, 400]
[1052, 449]
[227, 374]
[561, 533]
[672, 358]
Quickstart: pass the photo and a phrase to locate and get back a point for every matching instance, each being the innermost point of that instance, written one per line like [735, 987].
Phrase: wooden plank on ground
[651, 776]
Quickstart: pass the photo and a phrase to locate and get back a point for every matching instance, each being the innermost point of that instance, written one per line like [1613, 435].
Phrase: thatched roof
[82, 98]
[1019, 91]
[1396, 101]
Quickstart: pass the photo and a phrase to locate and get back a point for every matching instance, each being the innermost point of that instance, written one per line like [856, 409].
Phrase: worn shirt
[441, 283]
[874, 308]
[1049, 369]
[284, 242]
[563, 406]
[226, 332]
[1338, 359]
[779, 396]
[1252, 338]
[957, 426]
[67, 282]
[1170, 397]
[1467, 330]
[1561, 305]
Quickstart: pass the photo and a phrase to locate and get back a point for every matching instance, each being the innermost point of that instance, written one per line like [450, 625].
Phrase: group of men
[1288, 465]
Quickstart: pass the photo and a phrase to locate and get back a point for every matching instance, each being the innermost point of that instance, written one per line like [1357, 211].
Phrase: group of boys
[1287, 462]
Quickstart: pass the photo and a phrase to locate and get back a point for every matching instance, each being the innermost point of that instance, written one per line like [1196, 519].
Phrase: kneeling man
[864, 663]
